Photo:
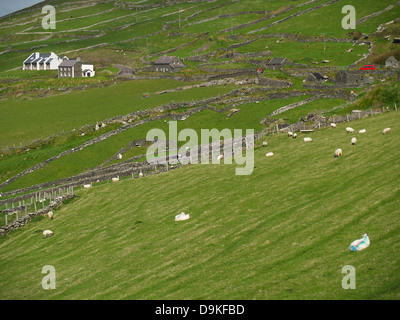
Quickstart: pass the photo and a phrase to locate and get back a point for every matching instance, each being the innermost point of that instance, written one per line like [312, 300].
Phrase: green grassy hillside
[282, 232]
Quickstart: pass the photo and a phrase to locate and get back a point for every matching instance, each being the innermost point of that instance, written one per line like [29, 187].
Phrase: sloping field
[282, 232]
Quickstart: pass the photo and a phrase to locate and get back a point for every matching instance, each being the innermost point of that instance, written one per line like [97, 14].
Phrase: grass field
[282, 232]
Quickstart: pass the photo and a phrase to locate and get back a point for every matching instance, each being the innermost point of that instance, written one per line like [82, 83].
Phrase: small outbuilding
[277, 63]
[315, 77]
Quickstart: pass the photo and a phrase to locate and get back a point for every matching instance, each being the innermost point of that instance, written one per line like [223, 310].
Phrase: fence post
[6, 219]
[35, 207]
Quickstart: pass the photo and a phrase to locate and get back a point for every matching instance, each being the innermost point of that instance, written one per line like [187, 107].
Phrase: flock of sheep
[338, 152]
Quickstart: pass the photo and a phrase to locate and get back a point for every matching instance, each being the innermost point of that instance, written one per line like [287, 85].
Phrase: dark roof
[32, 57]
[68, 63]
[277, 61]
[318, 76]
[165, 60]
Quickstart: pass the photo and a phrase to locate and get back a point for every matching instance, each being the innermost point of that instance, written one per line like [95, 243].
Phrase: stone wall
[22, 221]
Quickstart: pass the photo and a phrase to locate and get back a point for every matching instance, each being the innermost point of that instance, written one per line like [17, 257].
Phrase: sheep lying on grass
[362, 131]
[350, 130]
[307, 139]
[290, 134]
[47, 233]
[182, 217]
[338, 153]
[353, 141]
[115, 179]
[333, 125]
[269, 154]
[360, 244]
[386, 131]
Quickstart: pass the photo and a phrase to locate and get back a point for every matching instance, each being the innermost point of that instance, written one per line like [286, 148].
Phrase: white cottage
[42, 61]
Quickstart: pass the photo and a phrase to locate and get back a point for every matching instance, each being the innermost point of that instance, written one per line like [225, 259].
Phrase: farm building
[315, 76]
[42, 61]
[168, 64]
[349, 77]
[277, 63]
[88, 70]
[74, 68]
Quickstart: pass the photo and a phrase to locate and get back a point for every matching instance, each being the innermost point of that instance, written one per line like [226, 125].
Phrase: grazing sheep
[294, 135]
[290, 134]
[50, 214]
[87, 186]
[220, 157]
[47, 233]
[265, 143]
[119, 156]
[333, 125]
[386, 130]
[115, 179]
[140, 175]
[350, 130]
[338, 153]
[269, 154]
[353, 141]
[362, 131]
[307, 139]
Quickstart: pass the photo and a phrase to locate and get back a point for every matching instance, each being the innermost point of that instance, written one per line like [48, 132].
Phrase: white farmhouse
[42, 61]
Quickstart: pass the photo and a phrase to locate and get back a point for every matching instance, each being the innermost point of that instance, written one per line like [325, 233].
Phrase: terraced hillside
[59, 133]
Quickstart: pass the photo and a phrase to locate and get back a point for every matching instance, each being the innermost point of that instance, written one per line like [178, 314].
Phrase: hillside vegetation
[281, 233]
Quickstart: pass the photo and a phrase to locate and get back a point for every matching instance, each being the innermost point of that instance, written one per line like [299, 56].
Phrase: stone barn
[349, 78]
[277, 63]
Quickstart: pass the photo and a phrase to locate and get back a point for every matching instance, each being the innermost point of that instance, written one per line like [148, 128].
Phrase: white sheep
[333, 125]
[350, 130]
[269, 154]
[362, 131]
[115, 179]
[47, 233]
[50, 214]
[87, 186]
[353, 141]
[265, 143]
[307, 139]
[182, 217]
[290, 134]
[338, 153]
[140, 175]
[294, 135]
[119, 156]
[220, 157]
[386, 130]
